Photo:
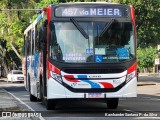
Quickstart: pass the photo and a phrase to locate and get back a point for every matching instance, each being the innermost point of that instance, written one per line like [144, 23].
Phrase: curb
[150, 74]
[146, 84]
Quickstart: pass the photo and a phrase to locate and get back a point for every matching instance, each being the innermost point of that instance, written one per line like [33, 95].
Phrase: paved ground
[9, 103]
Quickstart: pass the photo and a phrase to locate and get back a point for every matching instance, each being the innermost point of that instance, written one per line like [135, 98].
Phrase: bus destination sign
[90, 12]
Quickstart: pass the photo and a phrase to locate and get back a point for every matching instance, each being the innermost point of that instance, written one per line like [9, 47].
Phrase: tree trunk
[14, 49]
[4, 60]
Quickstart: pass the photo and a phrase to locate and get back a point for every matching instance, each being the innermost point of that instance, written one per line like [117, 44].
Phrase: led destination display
[91, 11]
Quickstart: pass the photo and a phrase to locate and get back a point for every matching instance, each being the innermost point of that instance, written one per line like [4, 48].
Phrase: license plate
[95, 95]
[20, 78]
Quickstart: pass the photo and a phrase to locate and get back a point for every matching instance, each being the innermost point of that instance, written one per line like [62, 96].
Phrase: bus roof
[89, 3]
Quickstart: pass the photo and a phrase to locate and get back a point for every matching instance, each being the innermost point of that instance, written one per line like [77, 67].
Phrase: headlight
[14, 77]
[55, 76]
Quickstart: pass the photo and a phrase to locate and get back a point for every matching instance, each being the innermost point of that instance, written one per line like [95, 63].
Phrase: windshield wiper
[79, 28]
[106, 27]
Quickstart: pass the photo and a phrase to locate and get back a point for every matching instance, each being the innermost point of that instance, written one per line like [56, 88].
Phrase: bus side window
[33, 40]
[40, 37]
[36, 38]
[55, 50]
[24, 45]
[39, 33]
[29, 43]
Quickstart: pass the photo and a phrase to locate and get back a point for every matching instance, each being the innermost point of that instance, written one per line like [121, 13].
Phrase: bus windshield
[68, 44]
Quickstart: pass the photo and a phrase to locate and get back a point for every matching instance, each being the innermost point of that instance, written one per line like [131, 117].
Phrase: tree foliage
[148, 29]
[147, 20]
[12, 25]
[146, 57]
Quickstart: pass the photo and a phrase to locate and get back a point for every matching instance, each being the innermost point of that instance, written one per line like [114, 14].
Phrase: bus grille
[92, 71]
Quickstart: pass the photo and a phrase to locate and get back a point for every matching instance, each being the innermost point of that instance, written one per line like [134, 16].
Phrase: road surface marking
[41, 118]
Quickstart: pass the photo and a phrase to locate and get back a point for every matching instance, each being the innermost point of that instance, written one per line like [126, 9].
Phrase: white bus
[81, 51]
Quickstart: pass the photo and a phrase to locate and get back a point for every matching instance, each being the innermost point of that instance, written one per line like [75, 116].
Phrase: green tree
[146, 57]
[147, 20]
[45, 3]
[12, 25]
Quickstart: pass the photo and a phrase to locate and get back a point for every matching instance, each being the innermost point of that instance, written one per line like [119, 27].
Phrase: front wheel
[41, 93]
[112, 103]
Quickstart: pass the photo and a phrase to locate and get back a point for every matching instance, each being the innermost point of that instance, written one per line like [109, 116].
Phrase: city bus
[81, 51]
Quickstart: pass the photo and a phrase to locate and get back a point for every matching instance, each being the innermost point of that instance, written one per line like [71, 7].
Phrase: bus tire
[41, 93]
[33, 98]
[50, 105]
[112, 103]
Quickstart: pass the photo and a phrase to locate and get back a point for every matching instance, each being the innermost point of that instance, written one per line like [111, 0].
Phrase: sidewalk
[10, 106]
[150, 74]
[7, 101]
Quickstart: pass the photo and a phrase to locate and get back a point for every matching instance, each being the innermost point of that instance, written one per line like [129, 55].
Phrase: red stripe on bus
[70, 78]
[132, 68]
[52, 68]
[106, 85]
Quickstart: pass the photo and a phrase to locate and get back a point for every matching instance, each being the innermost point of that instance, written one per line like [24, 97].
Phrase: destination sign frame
[91, 11]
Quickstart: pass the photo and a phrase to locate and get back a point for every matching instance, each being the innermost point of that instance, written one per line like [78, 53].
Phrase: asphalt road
[147, 103]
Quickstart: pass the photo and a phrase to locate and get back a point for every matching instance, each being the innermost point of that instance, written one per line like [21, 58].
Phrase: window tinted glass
[68, 44]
